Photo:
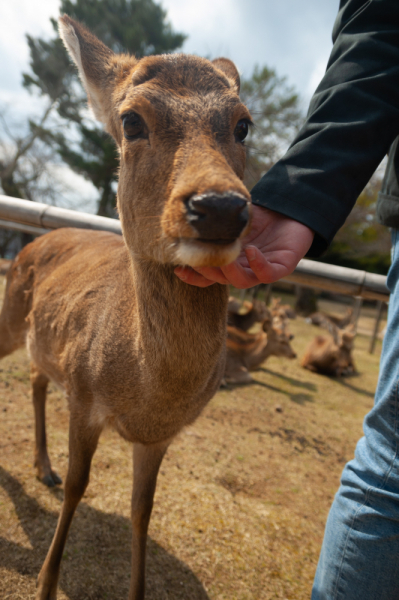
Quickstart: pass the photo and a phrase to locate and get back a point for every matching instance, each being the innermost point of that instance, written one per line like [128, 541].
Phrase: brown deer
[246, 352]
[331, 355]
[106, 318]
[283, 311]
[257, 313]
[233, 305]
[323, 319]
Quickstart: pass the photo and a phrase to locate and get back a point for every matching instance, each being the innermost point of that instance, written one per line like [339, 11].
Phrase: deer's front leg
[146, 461]
[82, 445]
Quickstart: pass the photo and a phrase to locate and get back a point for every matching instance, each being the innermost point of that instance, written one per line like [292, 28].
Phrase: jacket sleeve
[353, 119]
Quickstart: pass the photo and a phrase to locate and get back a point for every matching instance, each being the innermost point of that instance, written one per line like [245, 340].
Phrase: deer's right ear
[230, 70]
[95, 63]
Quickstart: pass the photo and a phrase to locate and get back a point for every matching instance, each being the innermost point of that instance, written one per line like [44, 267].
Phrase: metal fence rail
[37, 218]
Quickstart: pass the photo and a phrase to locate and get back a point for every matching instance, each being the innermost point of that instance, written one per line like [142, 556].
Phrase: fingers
[239, 276]
[188, 275]
[266, 270]
[259, 270]
[214, 274]
[236, 274]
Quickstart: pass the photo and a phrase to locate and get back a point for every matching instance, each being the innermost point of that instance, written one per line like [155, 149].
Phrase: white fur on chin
[200, 254]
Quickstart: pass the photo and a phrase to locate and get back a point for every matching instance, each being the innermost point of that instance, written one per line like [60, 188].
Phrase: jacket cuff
[323, 229]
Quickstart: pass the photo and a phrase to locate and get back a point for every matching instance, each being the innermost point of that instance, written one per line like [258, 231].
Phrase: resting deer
[257, 313]
[283, 311]
[246, 352]
[331, 355]
[323, 319]
[233, 305]
[106, 318]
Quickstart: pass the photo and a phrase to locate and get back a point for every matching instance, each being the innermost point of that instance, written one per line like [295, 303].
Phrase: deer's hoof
[51, 479]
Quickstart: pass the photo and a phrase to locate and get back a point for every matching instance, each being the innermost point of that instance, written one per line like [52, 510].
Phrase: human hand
[271, 250]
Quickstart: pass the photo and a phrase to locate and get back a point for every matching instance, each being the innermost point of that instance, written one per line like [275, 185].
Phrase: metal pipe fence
[37, 218]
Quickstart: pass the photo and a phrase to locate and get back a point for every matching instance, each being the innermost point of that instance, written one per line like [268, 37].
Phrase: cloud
[286, 35]
[316, 75]
[18, 18]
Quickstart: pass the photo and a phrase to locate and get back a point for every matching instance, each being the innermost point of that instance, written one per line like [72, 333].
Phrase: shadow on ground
[297, 398]
[96, 563]
[307, 385]
[354, 388]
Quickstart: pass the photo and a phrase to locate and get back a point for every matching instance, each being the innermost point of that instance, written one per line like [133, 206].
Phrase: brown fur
[323, 319]
[331, 355]
[257, 313]
[246, 352]
[233, 305]
[106, 318]
[283, 311]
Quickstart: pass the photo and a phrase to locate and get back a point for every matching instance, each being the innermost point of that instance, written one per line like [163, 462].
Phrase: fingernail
[251, 254]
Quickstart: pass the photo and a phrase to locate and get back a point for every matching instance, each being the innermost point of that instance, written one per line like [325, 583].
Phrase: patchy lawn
[242, 495]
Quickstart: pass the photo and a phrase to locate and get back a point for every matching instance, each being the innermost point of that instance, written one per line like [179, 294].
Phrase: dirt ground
[242, 496]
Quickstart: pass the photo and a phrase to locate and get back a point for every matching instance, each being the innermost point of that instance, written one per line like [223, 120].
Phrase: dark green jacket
[352, 122]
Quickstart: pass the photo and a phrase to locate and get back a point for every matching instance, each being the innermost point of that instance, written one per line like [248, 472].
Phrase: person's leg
[359, 558]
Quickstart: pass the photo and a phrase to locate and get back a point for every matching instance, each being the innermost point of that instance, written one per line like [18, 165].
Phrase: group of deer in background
[329, 354]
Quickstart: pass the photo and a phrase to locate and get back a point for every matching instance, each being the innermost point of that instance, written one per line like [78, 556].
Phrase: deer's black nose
[218, 218]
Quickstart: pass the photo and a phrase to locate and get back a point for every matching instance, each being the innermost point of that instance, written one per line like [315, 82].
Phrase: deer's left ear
[100, 70]
[230, 70]
[93, 60]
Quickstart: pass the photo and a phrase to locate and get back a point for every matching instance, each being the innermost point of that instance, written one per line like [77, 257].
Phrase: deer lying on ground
[257, 313]
[331, 355]
[246, 352]
[323, 319]
[283, 311]
[233, 305]
[106, 318]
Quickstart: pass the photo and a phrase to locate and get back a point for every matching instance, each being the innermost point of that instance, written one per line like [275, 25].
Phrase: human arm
[353, 119]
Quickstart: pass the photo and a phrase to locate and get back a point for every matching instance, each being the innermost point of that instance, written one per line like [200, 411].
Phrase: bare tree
[27, 168]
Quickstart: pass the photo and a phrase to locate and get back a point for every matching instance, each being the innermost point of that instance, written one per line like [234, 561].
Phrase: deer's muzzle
[218, 218]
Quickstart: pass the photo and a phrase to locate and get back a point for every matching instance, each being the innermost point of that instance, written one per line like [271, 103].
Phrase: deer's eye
[241, 130]
[133, 126]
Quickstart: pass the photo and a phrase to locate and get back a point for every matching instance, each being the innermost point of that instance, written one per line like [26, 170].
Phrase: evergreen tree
[135, 26]
[274, 107]
[362, 243]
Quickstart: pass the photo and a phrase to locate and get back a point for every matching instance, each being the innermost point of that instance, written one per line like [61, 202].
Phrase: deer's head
[179, 125]
[278, 338]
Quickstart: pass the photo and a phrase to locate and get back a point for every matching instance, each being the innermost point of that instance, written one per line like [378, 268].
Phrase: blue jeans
[359, 558]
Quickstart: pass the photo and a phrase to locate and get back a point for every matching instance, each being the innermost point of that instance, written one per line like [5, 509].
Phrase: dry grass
[242, 496]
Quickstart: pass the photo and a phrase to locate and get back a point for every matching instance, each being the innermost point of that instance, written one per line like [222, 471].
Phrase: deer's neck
[180, 328]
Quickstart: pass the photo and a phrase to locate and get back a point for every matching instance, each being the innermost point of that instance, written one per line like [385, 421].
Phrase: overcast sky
[292, 36]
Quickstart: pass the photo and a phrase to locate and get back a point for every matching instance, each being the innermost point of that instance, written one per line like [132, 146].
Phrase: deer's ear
[95, 63]
[230, 70]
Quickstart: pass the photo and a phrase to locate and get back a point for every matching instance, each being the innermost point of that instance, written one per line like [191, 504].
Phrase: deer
[246, 352]
[331, 355]
[105, 317]
[233, 305]
[323, 319]
[257, 312]
[284, 311]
